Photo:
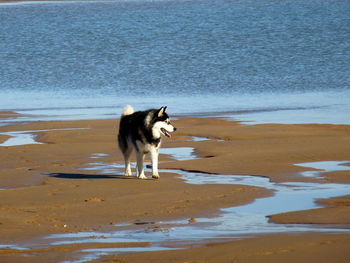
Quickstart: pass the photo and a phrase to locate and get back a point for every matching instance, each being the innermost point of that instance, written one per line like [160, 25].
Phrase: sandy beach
[47, 191]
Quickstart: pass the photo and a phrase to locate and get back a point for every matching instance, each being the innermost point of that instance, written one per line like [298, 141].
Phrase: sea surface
[284, 61]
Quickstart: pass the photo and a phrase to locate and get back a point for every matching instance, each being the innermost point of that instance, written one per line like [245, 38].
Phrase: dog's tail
[128, 110]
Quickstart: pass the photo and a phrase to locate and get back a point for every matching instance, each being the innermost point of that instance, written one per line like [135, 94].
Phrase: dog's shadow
[88, 176]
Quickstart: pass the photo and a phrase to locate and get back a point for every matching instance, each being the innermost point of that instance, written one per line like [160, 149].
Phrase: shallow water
[18, 138]
[324, 167]
[268, 61]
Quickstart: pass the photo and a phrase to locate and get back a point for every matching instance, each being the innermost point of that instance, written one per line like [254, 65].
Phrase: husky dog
[141, 131]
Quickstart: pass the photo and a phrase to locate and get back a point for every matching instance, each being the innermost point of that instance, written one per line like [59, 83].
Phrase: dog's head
[161, 124]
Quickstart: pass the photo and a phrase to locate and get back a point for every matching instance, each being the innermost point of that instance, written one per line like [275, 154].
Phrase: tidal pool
[324, 167]
[233, 223]
[18, 138]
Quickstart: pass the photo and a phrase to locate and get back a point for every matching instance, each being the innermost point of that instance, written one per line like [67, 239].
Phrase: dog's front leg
[140, 172]
[154, 158]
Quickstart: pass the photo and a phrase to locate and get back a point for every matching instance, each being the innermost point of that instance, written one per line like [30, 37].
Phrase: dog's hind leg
[139, 167]
[127, 154]
[126, 150]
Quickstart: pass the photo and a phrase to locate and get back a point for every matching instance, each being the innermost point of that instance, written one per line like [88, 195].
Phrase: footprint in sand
[94, 199]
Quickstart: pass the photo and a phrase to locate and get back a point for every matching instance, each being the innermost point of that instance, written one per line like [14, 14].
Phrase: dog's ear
[161, 111]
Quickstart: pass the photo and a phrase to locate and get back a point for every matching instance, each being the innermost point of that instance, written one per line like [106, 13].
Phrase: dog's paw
[127, 172]
[155, 176]
[142, 176]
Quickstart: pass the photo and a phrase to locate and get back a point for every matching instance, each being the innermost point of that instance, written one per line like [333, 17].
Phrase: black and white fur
[141, 131]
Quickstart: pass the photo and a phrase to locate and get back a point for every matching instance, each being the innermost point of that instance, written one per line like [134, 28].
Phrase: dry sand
[46, 192]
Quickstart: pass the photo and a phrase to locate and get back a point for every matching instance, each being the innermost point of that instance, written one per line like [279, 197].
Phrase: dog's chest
[147, 147]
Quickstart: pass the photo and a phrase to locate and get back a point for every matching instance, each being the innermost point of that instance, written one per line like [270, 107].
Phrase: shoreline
[273, 147]
[26, 2]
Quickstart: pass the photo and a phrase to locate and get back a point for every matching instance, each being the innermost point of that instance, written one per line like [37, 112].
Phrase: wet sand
[310, 248]
[46, 192]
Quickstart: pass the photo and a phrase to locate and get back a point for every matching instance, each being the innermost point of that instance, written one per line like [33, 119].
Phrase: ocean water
[285, 61]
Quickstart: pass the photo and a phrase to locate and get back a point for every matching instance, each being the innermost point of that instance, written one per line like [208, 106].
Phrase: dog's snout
[175, 129]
